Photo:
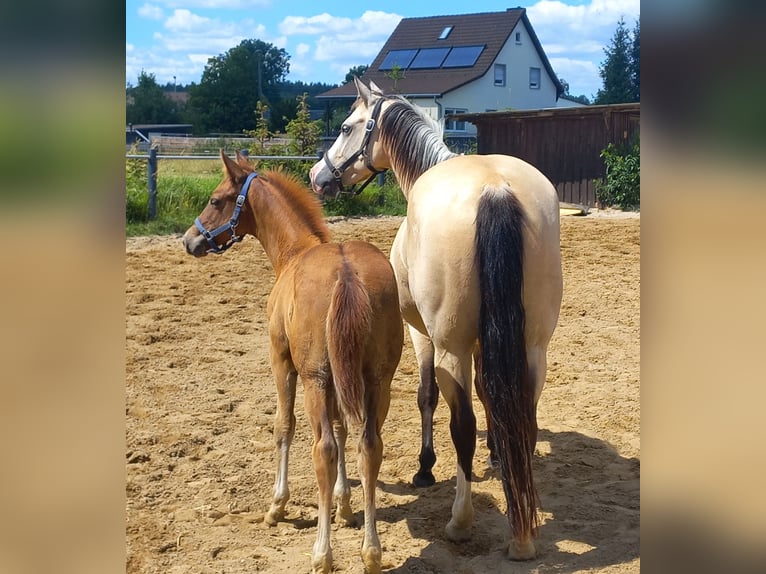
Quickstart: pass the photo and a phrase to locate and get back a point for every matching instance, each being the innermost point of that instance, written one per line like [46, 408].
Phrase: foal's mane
[300, 204]
[413, 140]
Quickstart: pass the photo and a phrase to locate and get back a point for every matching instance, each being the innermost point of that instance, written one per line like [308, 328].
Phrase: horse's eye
[214, 202]
[345, 129]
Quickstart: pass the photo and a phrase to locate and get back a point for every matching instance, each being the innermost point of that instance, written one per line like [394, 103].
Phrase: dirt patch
[200, 405]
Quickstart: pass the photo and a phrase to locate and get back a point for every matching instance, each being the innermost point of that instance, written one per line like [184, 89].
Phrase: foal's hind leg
[284, 430]
[377, 399]
[325, 455]
[428, 397]
[342, 492]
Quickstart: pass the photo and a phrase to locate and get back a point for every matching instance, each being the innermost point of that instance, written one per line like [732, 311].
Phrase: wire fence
[153, 157]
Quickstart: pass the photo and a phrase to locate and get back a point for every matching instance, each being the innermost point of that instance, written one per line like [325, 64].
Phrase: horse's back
[310, 290]
[439, 248]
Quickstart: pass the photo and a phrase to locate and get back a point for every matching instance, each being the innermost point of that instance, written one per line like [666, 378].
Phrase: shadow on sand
[589, 498]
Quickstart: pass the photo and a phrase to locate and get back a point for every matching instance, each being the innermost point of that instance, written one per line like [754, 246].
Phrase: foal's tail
[500, 223]
[347, 328]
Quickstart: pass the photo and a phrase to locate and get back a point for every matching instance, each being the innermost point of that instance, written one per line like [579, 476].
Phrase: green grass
[184, 187]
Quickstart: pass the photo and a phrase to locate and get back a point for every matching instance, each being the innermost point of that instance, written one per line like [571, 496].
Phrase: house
[466, 63]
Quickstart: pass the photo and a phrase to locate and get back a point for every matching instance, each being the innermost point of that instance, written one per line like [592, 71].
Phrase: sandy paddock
[200, 405]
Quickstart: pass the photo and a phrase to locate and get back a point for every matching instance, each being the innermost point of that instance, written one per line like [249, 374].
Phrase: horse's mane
[300, 201]
[413, 140]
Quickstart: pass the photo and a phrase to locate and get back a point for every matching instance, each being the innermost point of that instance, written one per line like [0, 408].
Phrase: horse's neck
[282, 234]
[412, 157]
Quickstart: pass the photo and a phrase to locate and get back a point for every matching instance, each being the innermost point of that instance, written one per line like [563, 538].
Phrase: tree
[232, 83]
[397, 73]
[635, 62]
[304, 134]
[355, 71]
[148, 104]
[582, 98]
[616, 70]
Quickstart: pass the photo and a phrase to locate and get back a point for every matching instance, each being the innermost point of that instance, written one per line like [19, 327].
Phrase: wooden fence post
[152, 175]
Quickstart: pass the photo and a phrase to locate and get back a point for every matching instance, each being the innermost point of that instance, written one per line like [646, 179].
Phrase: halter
[229, 226]
[362, 153]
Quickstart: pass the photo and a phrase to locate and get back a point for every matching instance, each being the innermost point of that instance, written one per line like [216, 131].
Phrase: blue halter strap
[230, 226]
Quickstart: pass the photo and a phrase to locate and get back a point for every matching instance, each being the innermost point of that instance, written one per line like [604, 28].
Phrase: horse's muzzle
[194, 244]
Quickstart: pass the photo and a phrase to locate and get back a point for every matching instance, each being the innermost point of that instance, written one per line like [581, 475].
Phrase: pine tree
[616, 70]
[304, 134]
[635, 62]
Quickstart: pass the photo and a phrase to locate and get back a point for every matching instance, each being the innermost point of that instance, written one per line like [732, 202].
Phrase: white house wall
[482, 95]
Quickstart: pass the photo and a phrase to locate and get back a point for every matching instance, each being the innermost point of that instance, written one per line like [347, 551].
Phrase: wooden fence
[564, 143]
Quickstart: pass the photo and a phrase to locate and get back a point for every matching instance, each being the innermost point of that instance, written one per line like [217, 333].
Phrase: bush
[622, 185]
[374, 200]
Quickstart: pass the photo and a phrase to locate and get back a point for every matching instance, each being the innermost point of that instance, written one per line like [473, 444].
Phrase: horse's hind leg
[493, 461]
[342, 492]
[453, 373]
[284, 430]
[428, 397]
[325, 455]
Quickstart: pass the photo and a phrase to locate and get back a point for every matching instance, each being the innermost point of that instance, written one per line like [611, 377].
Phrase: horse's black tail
[500, 224]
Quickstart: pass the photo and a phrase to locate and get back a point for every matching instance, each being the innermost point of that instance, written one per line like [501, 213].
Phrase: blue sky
[325, 39]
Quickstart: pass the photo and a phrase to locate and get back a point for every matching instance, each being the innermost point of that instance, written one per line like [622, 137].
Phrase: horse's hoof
[372, 558]
[457, 533]
[521, 550]
[423, 478]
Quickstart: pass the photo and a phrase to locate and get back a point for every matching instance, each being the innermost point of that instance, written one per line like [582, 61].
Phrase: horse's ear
[230, 167]
[374, 88]
[362, 90]
[242, 160]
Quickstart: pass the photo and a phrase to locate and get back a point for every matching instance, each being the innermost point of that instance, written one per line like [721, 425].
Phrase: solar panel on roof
[402, 58]
[429, 58]
[462, 56]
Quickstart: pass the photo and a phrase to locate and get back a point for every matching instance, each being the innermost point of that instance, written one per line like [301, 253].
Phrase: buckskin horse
[334, 321]
[478, 265]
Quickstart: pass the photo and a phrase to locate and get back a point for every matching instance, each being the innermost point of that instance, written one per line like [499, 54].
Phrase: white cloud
[150, 12]
[371, 24]
[579, 74]
[574, 37]
[184, 20]
[302, 49]
[215, 4]
[340, 42]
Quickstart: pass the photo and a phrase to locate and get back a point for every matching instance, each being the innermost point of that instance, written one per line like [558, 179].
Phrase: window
[518, 37]
[445, 32]
[463, 57]
[534, 78]
[500, 75]
[429, 58]
[402, 58]
[453, 125]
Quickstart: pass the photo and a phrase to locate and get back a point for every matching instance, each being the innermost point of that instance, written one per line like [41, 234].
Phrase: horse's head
[223, 222]
[356, 155]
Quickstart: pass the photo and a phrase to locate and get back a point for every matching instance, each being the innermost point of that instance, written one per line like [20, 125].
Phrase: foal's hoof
[372, 560]
[272, 517]
[345, 518]
[321, 563]
[423, 478]
[521, 550]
